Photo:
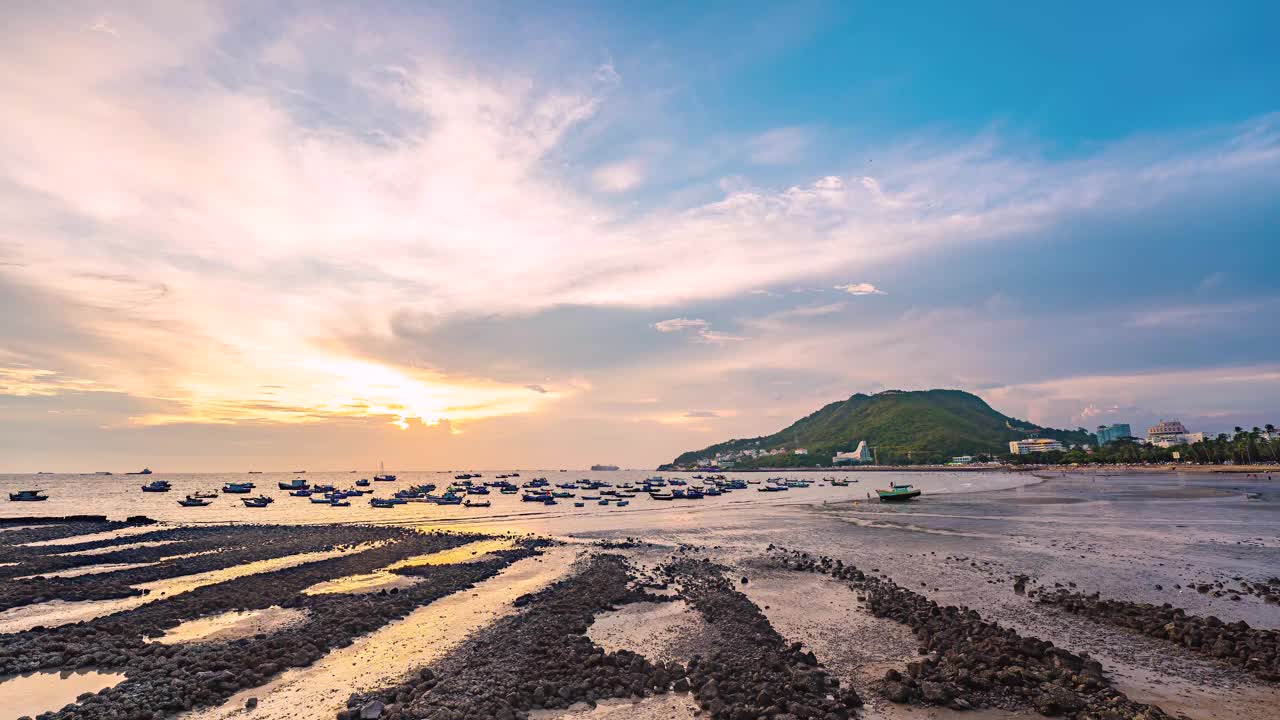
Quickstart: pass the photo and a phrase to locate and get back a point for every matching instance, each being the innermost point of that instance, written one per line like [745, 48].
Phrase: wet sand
[233, 625]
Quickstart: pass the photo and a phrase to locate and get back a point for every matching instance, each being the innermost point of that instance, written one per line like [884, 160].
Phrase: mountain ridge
[905, 427]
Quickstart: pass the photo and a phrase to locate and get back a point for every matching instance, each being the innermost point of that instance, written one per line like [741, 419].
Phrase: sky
[537, 235]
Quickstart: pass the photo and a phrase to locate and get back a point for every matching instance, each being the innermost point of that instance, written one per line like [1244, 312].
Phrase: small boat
[383, 475]
[143, 471]
[336, 502]
[301, 493]
[603, 502]
[478, 490]
[255, 472]
[294, 484]
[321, 500]
[382, 503]
[28, 496]
[237, 488]
[772, 488]
[255, 502]
[662, 496]
[898, 493]
[204, 495]
[623, 503]
[193, 501]
[157, 486]
[578, 504]
[299, 472]
[362, 482]
[476, 503]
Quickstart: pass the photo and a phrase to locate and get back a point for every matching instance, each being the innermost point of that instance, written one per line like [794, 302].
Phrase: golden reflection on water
[33, 693]
[385, 578]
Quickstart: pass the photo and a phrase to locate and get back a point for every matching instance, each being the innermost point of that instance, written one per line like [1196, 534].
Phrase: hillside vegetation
[905, 427]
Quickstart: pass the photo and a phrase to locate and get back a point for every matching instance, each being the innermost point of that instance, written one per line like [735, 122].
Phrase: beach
[994, 595]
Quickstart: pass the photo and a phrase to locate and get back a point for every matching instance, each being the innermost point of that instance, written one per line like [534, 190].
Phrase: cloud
[703, 332]
[538, 389]
[862, 288]
[619, 177]
[679, 324]
[1212, 281]
[701, 414]
[780, 146]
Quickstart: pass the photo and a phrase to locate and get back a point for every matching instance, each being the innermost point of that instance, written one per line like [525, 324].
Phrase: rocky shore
[163, 679]
[201, 549]
[968, 662]
[1236, 643]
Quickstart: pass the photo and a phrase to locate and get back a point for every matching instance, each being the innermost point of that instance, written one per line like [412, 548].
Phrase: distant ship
[143, 471]
[103, 472]
[602, 468]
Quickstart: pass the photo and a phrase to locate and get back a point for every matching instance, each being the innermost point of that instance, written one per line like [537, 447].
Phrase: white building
[862, 454]
[1167, 434]
[1034, 445]
[800, 451]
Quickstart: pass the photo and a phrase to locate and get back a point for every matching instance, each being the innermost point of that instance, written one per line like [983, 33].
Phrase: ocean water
[119, 496]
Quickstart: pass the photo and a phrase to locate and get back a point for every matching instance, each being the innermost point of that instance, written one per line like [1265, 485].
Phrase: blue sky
[514, 235]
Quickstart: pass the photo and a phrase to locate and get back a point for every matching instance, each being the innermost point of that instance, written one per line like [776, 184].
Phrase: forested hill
[908, 427]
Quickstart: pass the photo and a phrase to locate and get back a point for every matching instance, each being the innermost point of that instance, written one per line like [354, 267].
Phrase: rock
[372, 710]
[251, 703]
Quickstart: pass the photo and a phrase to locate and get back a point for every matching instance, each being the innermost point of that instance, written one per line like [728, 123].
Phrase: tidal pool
[33, 693]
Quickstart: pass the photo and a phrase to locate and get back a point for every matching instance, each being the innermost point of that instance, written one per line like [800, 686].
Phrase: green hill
[904, 427]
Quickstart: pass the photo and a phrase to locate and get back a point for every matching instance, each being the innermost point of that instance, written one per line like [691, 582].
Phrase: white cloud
[703, 332]
[678, 324]
[619, 177]
[862, 288]
[779, 146]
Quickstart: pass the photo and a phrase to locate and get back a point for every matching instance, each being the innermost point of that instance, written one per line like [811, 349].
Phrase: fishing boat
[204, 495]
[383, 475]
[321, 499]
[662, 496]
[772, 488]
[301, 493]
[623, 503]
[294, 484]
[28, 496]
[363, 482]
[578, 504]
[382, 503]
[898, 493]
[237, 488]
[193, 501]
[255, 502]
[476, 503]
[338, 502]
[143, 471]
[157, 486]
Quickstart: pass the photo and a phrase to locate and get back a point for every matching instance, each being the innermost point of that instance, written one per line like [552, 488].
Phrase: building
[1167, 434]
[862, 454]
[1034, 445]
[800, 451]
[1107, 433]
[962, 460]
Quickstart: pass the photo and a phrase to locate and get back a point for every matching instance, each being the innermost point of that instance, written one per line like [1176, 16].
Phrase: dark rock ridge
[165, 679]
[539, 658]
[234, 545]
[969, 662]
[1253, 649]
[751, 670]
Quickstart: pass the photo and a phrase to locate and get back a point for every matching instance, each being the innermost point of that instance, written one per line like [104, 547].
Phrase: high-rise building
[1107, 433]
